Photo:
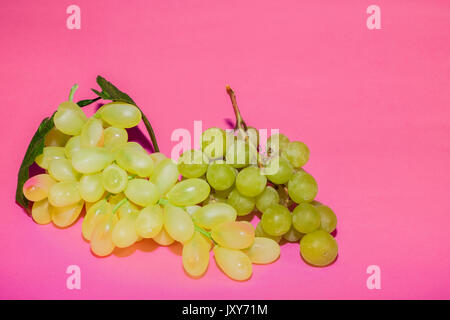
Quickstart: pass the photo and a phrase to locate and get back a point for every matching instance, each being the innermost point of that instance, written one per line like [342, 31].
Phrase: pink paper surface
[372, 105]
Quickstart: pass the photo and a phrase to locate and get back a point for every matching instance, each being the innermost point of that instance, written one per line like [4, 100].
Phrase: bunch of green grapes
[273, 183]
[130, 195]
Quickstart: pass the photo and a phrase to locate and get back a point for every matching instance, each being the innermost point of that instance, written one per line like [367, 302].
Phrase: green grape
[48, 154]
[297, 153]
[55, 138]
[328, 220]
[178, 223]
[243, 205]
[94, 214]
[241, 154]
[63, 194]
[292, 235]
[62, 170]
[276, 220]
[120, 114]
[277, 142]
[157, 157]
[192, 209]
[165, 175]
[214, 198]
[305, 218]
[150, 221]
[234, 263]
[92, 133]
[318, 248]
[142, 192]
[133, 158]
[37, 187]
[251, 135]
[195, 255]
[91, 187]
[250, 182]
[69, 118]
[163, 238]
[214, 143]
[65, 216]
[128, 208]
[214, 214]
[72, 146]
[263, 251]
[220, 176]
[279, 170]
[259, 232]
[223, 194]
[266, 198]
[114, 138]
[41, 212]
[192, 164]
[101, 240]
[189, 192]
[114, 179]
[124, 233]
[302, 187]
[233, 234]
[91, 160]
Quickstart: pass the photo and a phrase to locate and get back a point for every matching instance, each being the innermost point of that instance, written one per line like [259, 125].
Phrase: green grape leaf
[35, 148]
[110, 92]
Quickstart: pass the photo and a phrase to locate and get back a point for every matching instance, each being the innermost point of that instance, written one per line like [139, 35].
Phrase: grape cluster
[130, 195]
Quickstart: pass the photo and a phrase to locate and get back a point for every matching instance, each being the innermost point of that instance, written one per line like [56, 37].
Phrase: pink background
[373, 106]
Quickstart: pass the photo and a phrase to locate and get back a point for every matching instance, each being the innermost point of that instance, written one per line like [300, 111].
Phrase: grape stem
[240, 123]
[72, 91]
[204, 232]
[118, 205]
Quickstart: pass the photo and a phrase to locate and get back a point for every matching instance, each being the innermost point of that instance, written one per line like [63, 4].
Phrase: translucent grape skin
[250, 182]
[69, 118]
[241, 154]
[318, 248]
[93, 215]
[65, 216]
[297, 153]
[92, 134]
[214, 214]
[195, 255]
[193, 164]
[101, 239]
[259, 232]
[41, 212]
[277, 142]
[234, 263]
[48, 154]
[91, 160]
[305, 218]
[62, 170]
[328, 220]
[63, 194]
[72, 146]
[214, 142]
[276, 220]
[114, 179]
[263, 251]
[163, 238]
[220, 175]
[178, 223]
[233, 234]
[150, 221]
[302, 187]
[124, 233]
[189, 192]
[55, 138]
[91, 187]
[243, 205]
[37, 187]
[284, 172]
[268, 197]
[165, 175]
[142, 192]
[120, 114]
[114, 138]
[133, 158]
